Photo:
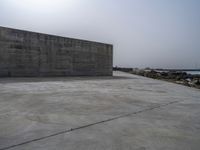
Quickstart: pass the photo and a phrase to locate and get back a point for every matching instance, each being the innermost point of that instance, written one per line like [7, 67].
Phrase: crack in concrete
[89, 125]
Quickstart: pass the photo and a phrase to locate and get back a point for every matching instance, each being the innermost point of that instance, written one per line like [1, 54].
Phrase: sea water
[193, 72]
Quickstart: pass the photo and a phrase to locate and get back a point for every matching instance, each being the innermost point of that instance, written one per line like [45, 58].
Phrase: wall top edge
[33, 32]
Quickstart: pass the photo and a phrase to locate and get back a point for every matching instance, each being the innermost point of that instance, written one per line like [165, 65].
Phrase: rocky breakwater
[172, 76]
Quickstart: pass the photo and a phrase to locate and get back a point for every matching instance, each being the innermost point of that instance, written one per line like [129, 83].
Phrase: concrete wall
[24, 53]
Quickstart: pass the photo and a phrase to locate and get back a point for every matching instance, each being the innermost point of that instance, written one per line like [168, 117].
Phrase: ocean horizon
[193, 72]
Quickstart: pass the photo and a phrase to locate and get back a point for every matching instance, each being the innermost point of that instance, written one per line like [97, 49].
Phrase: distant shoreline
[189, 77]
[182, 70]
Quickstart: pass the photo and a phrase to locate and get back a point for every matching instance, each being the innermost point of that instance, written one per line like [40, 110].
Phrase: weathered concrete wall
[24, 53]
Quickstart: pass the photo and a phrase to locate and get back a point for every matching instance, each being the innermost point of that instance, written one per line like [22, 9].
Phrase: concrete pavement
[111, 113]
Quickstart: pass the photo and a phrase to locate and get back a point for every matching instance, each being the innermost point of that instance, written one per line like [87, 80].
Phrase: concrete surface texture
[24, 53]
[123, 112]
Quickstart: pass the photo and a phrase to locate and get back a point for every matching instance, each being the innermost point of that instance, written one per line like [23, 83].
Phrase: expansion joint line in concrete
[89, 125]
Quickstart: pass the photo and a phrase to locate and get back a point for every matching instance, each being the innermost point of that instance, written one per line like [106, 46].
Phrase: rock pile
[173, 76]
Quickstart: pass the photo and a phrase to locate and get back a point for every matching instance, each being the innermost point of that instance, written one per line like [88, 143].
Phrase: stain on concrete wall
[24, 53]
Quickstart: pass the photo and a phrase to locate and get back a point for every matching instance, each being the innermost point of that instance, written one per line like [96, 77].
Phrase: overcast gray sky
[145, 33]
